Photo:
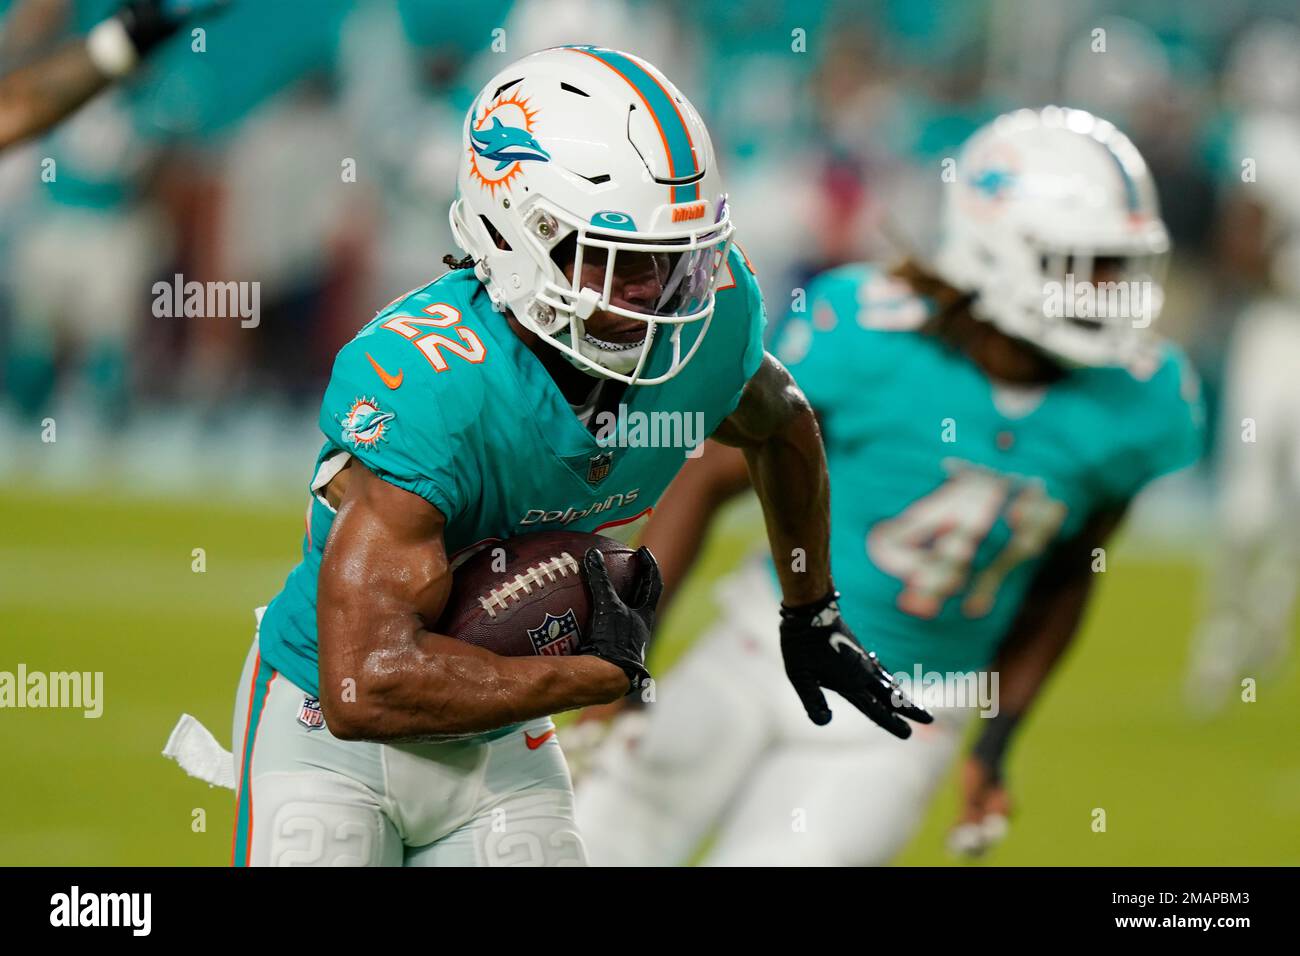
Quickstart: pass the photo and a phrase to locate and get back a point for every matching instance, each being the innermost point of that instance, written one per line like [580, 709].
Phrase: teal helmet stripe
[682, 161]
[1130, 187]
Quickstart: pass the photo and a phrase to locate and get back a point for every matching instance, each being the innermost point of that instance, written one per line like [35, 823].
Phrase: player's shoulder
[738, 299]
[1159, 378]
[738, 283]
[859, 311]
[428, 352]
[1154, 409]
[868, 296]
[407, 393]
[739, 319]
[455, 300]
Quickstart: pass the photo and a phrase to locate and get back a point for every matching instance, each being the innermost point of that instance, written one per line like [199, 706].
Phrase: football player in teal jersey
[984, 438]
[600, 285]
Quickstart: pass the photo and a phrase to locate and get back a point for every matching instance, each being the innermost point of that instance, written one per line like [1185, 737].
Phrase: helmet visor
[663, 279]
[667, 277]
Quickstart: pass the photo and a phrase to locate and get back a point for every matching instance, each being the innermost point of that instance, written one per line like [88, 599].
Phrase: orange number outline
[440, 315]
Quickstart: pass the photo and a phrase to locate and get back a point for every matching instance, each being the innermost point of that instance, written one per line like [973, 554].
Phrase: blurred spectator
[832, 120]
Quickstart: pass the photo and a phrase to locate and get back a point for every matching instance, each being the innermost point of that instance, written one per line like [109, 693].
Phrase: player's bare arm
[38, 95]
[35, 97]
[29, 28]
[384, 580]
[777, 430]
[1047, 623]
[1050, 617]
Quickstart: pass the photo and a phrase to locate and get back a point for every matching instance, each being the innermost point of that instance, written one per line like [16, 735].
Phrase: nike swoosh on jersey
[392, 381]
[535, 742]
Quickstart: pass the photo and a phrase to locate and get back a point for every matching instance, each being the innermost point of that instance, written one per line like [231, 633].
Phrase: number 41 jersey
[947, 489]
[438, 396]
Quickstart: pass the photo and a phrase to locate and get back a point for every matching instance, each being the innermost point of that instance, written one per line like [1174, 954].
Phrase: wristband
[110, 48]
[991, 747]
[803, 612]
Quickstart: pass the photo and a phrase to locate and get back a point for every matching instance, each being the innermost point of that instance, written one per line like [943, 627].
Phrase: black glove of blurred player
[149, 22]
[120, 42]
[820, 651]
[621, 632]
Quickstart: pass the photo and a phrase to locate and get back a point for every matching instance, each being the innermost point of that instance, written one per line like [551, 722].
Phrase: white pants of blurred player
[84, 275]
[1257, 554]
[727, 748]
[311, 799]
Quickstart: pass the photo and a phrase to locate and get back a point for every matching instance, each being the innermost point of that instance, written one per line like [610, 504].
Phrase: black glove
[117, 45]
[820, 651]
[149, 22]
[620, 633]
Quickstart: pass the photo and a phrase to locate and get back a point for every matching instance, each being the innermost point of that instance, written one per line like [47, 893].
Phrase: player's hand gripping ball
[557, 593]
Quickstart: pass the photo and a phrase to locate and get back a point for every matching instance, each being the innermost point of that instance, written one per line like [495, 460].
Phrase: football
[527, 595]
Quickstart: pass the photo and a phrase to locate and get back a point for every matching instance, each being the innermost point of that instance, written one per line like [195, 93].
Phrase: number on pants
[343, 843]
[439, 316]
[932, 544]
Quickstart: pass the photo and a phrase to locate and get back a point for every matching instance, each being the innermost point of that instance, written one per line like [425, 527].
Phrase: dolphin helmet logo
[506, 144]
[996, 172]
[993, 182]
[501, 141]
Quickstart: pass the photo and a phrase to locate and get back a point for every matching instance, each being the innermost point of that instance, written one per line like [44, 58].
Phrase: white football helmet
[1040, 197]
[594, 151]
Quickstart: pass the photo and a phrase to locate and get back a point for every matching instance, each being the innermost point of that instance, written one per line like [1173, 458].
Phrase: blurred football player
[1251, 597]
[599, 255]
[982, 448]
[37, 95]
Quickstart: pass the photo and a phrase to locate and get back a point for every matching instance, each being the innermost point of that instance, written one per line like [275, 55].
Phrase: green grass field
[105, 583]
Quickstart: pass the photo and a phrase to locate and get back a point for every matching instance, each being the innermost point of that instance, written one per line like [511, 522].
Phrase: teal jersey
[947, 490]
[438, 396]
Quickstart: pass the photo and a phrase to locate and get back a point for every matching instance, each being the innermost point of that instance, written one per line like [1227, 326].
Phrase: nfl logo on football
[556, 636]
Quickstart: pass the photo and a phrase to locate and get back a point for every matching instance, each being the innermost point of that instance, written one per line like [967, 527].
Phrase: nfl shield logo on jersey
[598, 467]
[309, 714]
[556, 636]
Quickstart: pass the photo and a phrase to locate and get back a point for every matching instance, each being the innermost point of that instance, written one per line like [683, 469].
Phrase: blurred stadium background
[832, 118]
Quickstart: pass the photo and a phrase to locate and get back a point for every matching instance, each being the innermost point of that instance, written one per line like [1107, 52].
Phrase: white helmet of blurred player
[585, 154]
[1048, 204]
[1263, 69]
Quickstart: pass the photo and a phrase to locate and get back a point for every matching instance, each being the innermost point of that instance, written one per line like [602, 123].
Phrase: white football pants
[307, 798]
[1257, 555]
[727, 747]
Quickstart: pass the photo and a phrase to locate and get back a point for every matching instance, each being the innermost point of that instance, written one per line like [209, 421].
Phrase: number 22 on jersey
[931, 546]
[430, 343]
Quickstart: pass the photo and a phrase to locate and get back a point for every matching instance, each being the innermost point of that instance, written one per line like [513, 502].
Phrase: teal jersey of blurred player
[947, 489]
[438, 396]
